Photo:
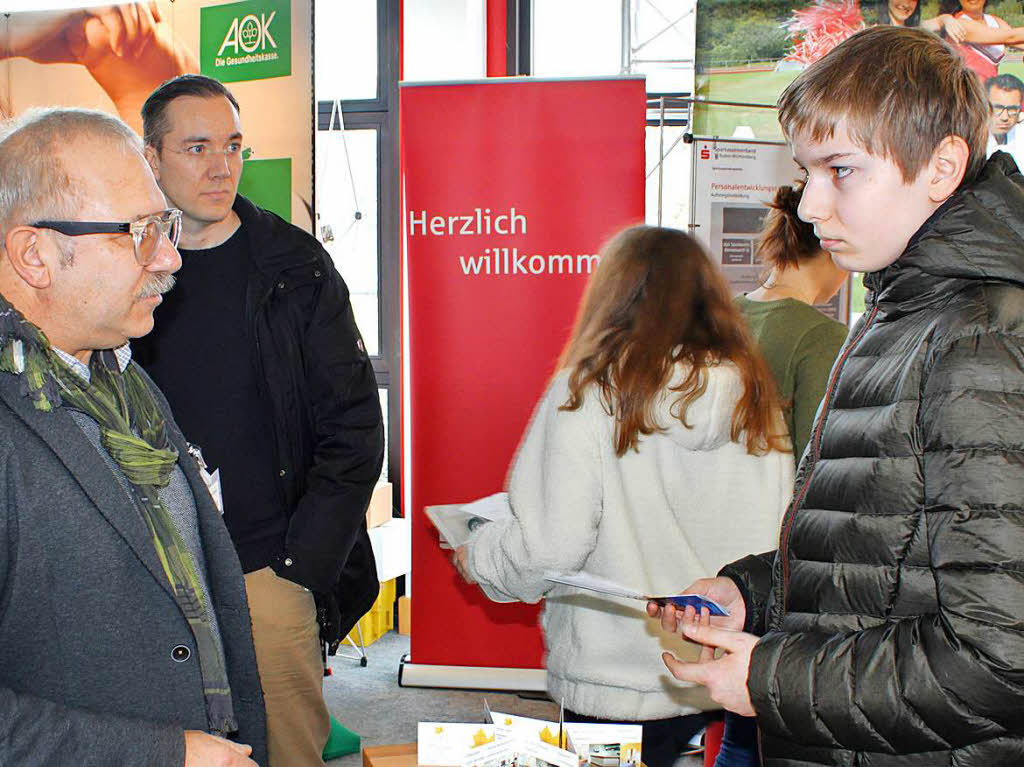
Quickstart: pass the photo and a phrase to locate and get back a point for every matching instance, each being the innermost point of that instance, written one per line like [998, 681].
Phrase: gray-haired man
[123, 621]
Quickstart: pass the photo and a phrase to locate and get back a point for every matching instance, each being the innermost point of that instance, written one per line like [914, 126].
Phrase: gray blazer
[87, 621]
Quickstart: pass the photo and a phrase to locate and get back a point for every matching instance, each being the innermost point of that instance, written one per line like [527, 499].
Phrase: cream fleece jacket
[689, 502]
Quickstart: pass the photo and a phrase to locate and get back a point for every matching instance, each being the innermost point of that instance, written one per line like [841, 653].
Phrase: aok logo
[249, 33]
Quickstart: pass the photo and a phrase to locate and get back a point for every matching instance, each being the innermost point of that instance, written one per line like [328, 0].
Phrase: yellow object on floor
[381, 617]
[404, 615]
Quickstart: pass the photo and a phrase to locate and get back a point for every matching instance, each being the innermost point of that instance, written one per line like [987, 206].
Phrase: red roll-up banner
[510, 188]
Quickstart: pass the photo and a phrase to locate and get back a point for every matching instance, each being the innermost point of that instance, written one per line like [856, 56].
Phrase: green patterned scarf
[133, 432]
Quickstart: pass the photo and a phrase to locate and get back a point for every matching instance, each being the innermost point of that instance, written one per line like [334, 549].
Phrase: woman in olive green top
[800, 344]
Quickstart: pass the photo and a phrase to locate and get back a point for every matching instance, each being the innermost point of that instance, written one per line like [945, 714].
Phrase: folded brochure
[596, 744]
[584, 580]
[442, 744]
[455, 522]
[509, 740]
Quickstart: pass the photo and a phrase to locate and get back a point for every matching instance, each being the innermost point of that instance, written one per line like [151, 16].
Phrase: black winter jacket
[894, 609]
[318, 385]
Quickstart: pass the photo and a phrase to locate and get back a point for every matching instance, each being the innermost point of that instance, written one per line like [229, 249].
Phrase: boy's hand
[725, 678]
[720, 590]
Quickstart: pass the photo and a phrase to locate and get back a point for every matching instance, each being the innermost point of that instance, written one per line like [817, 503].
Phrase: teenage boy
[891, 619]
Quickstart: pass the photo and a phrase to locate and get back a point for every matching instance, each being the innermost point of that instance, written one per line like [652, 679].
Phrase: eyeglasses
[145, 231]
[1011, 111]
[204, 152]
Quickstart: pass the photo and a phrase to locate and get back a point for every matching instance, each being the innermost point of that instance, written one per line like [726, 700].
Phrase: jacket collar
[273, 243]
[977, 234]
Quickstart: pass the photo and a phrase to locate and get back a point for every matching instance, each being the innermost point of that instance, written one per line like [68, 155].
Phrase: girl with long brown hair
[657, 454]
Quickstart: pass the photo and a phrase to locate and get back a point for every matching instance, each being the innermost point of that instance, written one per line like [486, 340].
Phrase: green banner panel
[268, 183]
[251, 40]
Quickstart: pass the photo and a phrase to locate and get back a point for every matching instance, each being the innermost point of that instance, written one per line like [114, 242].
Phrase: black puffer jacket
[895, 608]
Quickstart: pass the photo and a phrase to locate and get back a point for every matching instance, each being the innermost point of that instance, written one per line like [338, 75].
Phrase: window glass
[346, 50]
[346, 199]
[383, 393]
[663, 42]
[444, 39]
[585, 38]
[675, 177]
[577, 38]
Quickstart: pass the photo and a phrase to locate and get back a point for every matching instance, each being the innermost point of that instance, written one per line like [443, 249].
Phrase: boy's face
[862, 210]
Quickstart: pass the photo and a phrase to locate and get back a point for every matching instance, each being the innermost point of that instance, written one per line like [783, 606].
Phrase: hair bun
[784, 238]
[787, 199]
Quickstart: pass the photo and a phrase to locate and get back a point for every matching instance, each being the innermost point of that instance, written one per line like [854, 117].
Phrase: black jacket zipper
[787, 524]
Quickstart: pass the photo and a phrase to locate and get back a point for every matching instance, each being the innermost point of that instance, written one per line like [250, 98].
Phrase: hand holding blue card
[696, 601]
[584, 580]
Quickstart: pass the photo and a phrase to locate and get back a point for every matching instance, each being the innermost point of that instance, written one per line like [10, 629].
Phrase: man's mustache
[158, 284]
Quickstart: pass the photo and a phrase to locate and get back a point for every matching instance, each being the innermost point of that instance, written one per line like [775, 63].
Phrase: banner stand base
[471, 677]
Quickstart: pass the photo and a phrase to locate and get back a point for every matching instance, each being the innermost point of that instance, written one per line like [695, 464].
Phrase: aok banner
[246, 41]
[510, 189]
[112, 57]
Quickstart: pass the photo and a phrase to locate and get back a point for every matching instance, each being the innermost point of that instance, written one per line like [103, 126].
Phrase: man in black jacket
[887, 629]
[258, 353]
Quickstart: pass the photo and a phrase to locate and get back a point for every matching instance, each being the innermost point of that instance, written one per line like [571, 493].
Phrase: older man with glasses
[126, 639]
[1005, 94]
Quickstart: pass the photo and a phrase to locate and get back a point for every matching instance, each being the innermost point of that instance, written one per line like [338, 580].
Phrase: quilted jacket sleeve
[953, 676]
[753, 577]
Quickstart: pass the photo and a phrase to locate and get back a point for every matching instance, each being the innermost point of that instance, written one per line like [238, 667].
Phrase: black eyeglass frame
[1011, 111]
[137, 228]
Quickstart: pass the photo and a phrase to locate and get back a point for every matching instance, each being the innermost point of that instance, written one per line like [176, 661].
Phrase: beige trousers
[287, 640]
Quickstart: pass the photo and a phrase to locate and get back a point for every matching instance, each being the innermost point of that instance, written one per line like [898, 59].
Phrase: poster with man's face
[112, 57]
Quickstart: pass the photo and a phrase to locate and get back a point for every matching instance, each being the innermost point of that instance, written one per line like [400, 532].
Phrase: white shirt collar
[123, 354]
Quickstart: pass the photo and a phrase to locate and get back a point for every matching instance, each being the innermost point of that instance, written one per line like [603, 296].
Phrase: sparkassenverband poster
[732, 182]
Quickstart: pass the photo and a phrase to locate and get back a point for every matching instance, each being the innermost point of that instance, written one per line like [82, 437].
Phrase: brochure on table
[518, 741]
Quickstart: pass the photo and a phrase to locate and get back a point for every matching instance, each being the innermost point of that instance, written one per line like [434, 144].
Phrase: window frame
[379, 114]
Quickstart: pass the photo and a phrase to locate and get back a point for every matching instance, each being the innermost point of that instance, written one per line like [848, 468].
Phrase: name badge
[213, 485]
[211, 480]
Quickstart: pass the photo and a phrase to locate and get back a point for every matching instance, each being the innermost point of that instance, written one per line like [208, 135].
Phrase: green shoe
[341, 741]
